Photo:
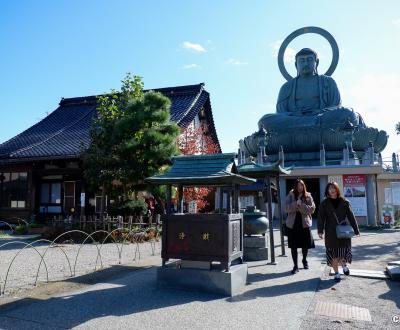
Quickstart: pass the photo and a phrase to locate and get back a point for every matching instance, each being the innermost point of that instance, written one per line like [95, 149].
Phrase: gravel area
[63, 261]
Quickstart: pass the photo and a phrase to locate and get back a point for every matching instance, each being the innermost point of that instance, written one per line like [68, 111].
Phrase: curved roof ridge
[194, 102]
[183, 89]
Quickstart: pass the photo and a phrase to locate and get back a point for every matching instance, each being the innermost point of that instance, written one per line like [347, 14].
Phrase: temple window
[14, 189]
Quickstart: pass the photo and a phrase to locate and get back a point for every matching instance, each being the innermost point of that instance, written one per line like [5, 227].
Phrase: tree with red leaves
[197, 141]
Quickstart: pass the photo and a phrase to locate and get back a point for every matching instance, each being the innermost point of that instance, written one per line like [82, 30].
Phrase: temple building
[41, 170]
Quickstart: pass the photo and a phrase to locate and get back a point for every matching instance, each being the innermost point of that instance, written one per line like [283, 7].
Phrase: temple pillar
[282, 193]
[323, 181]
[371, 200]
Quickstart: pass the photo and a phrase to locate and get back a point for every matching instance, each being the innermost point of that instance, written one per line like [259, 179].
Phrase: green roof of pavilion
[255, 170]
[202, 170]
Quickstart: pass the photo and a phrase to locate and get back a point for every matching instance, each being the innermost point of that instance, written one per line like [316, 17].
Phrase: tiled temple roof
[64, 133]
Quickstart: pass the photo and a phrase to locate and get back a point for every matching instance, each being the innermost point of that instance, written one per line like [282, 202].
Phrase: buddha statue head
[307, 62]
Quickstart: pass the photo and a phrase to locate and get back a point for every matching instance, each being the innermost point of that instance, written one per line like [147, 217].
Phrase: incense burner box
[203, 237]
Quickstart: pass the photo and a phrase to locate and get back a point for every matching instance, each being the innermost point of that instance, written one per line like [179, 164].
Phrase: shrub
[137, 208]
[36, 225]
[20, 229]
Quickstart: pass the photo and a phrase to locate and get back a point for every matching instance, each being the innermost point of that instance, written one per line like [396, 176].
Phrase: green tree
[132, 138]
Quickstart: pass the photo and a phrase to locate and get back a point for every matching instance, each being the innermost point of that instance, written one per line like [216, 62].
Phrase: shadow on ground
[393, 293]
[309, 285]
[117, 297]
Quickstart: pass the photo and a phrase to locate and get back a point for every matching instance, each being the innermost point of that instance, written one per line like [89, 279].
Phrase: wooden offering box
[203, 237]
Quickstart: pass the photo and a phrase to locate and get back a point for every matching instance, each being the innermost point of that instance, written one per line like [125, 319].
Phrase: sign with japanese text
[354, 189]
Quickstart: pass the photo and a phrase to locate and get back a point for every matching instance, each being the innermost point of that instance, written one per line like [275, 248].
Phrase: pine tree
[132, 138]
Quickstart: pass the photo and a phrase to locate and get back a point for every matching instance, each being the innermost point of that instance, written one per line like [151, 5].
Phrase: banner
[246, 201]
[338, 179]
[354, 189]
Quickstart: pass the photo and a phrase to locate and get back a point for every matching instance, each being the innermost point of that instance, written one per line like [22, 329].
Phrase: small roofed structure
[203, 237]
[266, 172]
[259, 171]
[206, 170]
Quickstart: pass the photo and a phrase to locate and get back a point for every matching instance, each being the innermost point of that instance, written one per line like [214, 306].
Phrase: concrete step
[394, 272]
[394, 263]
[374, 274]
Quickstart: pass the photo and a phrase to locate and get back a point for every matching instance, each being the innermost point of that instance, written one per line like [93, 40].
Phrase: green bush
[138, 207]
[36, 225]
[20, 229]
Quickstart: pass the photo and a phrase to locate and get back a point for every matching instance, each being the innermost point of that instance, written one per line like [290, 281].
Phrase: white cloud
[233, 61]
[290, 53]
[194, 47]
[191, 66]
[376, 98]
[396, 22]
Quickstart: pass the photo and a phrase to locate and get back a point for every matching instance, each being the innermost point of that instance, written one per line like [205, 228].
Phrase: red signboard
[354, 180]
[354, 189]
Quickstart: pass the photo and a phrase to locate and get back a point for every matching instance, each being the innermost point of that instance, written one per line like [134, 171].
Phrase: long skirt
[300, 237]
[343, 254]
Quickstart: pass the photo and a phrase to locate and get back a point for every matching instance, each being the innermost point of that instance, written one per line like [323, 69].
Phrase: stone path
[372, 251]
[130, 300]
[126, 297]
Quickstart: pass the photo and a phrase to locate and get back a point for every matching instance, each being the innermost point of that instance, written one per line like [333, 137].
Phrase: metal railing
[119, 237]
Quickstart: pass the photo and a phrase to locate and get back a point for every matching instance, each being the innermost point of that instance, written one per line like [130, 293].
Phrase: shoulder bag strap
[330, 207]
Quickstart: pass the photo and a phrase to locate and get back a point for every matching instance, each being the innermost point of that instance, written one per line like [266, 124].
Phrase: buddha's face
[306, 64]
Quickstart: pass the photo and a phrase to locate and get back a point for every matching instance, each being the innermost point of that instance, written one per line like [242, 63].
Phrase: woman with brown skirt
[334, 209]
[299, 207]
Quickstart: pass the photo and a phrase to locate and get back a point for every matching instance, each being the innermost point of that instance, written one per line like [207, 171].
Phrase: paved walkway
[120, 298]
[371, 251]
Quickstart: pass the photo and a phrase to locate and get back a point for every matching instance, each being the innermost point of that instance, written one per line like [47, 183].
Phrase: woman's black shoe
[305, 264]
[295, 270]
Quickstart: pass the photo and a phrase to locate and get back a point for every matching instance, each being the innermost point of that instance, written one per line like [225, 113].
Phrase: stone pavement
[372, 251]
[127, 297]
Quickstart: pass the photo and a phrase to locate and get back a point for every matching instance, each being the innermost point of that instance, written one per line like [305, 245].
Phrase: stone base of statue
[302, 145]
[214, 280]
[255, 248]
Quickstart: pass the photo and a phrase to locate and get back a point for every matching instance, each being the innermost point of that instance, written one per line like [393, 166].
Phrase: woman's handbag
[343, 229]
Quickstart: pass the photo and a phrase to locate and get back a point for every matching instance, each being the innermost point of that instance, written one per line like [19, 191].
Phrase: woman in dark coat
[333, 209]
[299, 207]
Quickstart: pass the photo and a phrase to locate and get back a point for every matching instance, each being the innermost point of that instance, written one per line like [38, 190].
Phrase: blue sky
[54, 49]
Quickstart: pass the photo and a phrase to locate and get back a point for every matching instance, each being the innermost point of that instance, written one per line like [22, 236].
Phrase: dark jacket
[306, 208]
[327, 222]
